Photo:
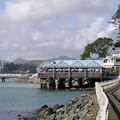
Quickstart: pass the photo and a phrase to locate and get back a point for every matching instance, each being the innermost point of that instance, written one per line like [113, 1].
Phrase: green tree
[19, 68]
[99, 46]
[115, 20]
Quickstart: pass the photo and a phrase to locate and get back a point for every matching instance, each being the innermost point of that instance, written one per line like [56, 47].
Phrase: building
[112, 62]
[62, 72]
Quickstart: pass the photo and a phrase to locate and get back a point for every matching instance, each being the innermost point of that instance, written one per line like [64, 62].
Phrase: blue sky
[2, 4]
[41, 29]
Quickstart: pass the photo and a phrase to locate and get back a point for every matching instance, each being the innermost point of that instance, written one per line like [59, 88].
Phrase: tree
[100, 46]
[19, 68]
[115, 20]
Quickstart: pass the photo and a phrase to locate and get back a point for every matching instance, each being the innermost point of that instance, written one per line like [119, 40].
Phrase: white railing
[12, 75]
[103, 103]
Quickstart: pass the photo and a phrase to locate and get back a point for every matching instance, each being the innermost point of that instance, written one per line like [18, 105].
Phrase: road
[113, 95]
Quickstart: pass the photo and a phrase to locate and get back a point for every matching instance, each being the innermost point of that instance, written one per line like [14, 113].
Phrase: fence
[103, 103]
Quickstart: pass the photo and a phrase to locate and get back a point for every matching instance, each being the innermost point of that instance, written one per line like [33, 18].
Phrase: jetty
[5, 76]
[62, 74]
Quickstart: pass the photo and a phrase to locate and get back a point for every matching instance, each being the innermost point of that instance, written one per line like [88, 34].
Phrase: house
[112, 62]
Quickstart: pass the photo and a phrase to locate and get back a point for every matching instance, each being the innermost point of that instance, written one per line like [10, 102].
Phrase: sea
[24, 98]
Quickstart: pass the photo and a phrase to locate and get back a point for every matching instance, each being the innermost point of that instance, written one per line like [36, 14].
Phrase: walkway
[13, 75]
[114, 102]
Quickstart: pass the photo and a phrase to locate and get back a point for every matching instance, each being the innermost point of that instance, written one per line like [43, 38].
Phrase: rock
[59, 117]
[42, 108]
[60, 111]
[48, 111]
[71, 117]
[55, 107]
[76, 109]
[52, 117]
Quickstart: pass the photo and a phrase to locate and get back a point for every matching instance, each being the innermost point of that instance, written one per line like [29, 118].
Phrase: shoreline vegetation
[84, 107]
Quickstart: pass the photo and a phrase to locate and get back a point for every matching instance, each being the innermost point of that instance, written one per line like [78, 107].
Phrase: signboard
[94, 55]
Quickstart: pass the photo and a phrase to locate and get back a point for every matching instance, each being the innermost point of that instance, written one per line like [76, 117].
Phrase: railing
[103, 103]
[12, 75]
[84, 74]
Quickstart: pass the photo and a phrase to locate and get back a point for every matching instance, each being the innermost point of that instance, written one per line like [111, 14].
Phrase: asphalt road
[113, 95]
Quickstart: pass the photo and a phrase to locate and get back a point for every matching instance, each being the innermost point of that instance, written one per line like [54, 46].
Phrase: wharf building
[61, 74]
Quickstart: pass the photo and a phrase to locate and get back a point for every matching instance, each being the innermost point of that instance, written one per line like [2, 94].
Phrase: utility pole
[2, 67]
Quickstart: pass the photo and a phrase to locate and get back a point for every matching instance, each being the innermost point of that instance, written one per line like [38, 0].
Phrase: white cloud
[32, 9]
[96, 29]
[38, 29]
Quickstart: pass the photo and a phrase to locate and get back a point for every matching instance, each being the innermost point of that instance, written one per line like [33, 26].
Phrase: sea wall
[103, 103]
[34, 79]
[29, 79]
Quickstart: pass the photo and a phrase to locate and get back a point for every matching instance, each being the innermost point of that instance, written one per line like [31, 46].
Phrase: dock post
[90, 83]
[41, 85]
[70, 82]
[56, 83]
[51, 83]
[80, 83]
[61, 83]
[70, 79]
[3, 79]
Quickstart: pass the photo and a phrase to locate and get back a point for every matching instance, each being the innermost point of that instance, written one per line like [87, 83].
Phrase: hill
[60, 58]
[20, 61]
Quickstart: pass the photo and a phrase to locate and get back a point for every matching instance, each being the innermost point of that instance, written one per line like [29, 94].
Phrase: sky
[42, 29]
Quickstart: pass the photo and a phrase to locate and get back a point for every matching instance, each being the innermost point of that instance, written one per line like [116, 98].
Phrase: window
[105, 61]
[112, 60]
[117, 60]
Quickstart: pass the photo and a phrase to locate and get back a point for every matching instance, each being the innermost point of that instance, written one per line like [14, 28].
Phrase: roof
[46, 64]
[93, 64]
[77, 64]
[81, 62]
[73, 63]
[62, 64]
[113, 56]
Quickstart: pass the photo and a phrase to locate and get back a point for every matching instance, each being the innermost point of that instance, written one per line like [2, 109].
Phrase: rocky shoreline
[79, 108]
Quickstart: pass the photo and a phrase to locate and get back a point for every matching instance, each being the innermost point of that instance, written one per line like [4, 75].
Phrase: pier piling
[3, 79]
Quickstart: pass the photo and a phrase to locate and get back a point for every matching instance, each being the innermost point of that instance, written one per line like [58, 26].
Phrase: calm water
[21, 98]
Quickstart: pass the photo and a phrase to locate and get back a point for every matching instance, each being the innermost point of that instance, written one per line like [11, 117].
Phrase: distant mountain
[65, 58]
[20, 61]
[35, 62]
[60, 58]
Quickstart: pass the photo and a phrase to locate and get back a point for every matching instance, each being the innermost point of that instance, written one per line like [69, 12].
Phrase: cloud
[20, 10]
[97, 28]
[39, 29]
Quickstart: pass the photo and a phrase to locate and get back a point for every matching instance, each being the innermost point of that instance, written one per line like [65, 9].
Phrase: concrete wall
[34, 79]
[103, 103]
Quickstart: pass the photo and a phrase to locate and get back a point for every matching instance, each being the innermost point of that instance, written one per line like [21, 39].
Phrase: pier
[68, 74]
[5, 76]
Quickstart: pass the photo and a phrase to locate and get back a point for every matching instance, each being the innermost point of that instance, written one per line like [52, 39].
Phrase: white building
[112, 61]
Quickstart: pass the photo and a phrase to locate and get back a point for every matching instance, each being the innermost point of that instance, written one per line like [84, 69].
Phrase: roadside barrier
[103, 103]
